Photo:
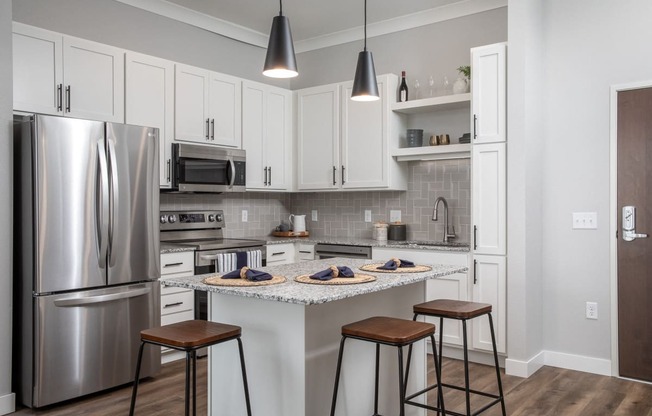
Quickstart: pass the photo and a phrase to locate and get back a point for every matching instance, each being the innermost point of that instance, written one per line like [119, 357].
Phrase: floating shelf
[441, 152]
[447, 102]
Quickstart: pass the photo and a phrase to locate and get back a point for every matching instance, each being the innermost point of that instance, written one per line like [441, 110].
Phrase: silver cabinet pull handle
[278, 253]
[213, 129]
[169, 305]
[334, 171]
[59, 97]
[208, 128]
[270, 176]
[475, 276]
[265, 182]
[173, 264]
[343, 182]
[169, 169]
[475, 128]
[68, 98]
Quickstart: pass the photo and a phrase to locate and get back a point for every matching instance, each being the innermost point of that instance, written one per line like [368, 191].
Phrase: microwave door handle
[232, 173]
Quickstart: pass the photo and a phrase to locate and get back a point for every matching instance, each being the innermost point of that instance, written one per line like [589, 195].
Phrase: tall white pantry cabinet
[489, 189]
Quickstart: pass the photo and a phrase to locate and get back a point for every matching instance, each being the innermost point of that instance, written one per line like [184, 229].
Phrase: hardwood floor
[551, 391]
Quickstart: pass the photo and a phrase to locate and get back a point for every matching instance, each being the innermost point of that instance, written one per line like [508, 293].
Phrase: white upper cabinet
[63, 75]
[488, 93]
[489, 199]
[318, 130]
[345, 144]
[267, 136]
[149, 101]
[207, 107]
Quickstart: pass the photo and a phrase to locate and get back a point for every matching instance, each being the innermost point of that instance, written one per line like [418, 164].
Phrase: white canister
[380, 231]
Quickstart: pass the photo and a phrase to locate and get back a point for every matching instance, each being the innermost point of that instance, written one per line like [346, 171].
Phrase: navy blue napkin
[328, 273]
[391, 265]
[252, 275]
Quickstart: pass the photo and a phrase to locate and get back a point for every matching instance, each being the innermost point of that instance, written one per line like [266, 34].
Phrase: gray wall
[6, 209]
[127, 27]
[436, 49]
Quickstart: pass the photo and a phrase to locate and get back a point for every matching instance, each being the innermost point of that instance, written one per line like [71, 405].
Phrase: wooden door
[635, 257]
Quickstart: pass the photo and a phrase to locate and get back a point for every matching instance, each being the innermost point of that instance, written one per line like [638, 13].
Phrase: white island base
[291, 356]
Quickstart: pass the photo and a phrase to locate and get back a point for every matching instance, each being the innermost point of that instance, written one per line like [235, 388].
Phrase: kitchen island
[291, 334]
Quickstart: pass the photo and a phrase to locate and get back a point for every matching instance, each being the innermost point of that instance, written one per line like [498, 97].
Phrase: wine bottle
[403, 89]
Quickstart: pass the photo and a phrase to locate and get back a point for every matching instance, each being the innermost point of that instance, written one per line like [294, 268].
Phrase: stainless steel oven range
[203, 230]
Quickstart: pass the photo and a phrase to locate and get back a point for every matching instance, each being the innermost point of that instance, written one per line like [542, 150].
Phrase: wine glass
[445, 85]
[416, 89]
[431, 82]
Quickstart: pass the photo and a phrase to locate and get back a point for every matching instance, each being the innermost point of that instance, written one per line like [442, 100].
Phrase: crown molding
[252, 37]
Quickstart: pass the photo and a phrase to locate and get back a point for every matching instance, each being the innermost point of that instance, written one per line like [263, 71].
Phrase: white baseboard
[7, 404]
[524, 368]
[578, 362]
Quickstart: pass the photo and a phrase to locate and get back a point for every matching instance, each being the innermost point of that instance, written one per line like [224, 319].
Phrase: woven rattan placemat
[375, 268]
[357, 278]
[218, 281]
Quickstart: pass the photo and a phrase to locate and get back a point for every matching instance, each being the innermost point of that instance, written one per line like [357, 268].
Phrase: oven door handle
[209, 256]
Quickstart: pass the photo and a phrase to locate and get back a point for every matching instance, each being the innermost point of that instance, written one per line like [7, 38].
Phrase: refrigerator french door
[88, 255]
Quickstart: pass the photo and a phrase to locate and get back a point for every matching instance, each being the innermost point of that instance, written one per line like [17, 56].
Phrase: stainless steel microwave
[207, 169]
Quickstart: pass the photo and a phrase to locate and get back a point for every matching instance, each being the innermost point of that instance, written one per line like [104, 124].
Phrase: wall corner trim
[7, 404]
[524, 368]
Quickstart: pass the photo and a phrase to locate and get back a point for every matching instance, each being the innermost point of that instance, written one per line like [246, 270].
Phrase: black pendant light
[280, 61]
[365, 87]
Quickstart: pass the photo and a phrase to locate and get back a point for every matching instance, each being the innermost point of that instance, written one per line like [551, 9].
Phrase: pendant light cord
[280, 13]
[365, 25]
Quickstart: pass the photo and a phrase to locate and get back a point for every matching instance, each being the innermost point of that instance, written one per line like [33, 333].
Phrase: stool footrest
[408, 399]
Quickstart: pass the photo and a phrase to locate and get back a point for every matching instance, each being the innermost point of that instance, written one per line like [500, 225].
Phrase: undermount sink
[429, 244]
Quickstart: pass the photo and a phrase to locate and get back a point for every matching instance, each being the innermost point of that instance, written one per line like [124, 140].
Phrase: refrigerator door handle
[87, 300]
[104, 204]
[114, 199]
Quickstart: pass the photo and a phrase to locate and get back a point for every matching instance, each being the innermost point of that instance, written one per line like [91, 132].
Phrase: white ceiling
[315, 23]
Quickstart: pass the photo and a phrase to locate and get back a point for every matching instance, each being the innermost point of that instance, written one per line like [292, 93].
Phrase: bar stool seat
[387, 331]
[462, 311]
[189, 336]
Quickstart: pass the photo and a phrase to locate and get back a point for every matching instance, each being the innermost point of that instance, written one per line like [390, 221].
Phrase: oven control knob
[219, 218]
[211, 218]
[164, 219]
[172, 219]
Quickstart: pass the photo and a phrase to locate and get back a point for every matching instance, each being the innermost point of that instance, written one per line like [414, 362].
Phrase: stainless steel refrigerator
[87, 255]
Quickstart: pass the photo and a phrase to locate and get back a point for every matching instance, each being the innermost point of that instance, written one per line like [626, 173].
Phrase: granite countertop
[353, 241]
[175, 248]
[309, 294]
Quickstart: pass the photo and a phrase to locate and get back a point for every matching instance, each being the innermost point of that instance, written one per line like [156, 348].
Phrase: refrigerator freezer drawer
[88, 341]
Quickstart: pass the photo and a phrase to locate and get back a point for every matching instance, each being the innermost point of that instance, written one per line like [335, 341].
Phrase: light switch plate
[314, 215]
[245, 215]
[395, 215]
[367, 215]
[585, 220]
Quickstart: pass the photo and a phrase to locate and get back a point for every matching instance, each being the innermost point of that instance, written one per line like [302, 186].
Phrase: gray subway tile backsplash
[341, 214]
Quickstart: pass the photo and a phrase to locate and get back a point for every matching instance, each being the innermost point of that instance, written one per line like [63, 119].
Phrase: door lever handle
[631, 235]
[629, 224]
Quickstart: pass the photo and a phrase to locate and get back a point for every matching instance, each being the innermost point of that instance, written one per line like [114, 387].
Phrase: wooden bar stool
[387, 331]
[189, 336]
[461, 311]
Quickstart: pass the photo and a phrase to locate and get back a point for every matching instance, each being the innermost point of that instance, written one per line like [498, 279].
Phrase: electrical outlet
[314, 215]
[395, 215]
[591, 310]
[367, 215]
[585, 220]
[245, 215]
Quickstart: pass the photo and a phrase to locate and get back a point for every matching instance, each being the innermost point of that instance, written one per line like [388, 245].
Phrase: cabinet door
[93, 80]
[149, 101]
[488, 93]
[278, 142]
[490, 286]
[454, 286]
[364, 140]
[489, 199]
[191, 121]
[253, 134]
[318, 142]
[225, 110]
[38, 71]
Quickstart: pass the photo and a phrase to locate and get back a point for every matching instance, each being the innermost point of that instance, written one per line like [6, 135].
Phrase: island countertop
[312, 294]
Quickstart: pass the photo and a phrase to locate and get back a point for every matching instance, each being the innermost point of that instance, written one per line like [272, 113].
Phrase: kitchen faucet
[447, 235]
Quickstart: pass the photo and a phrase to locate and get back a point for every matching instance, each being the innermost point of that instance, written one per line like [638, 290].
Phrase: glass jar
[380, 231]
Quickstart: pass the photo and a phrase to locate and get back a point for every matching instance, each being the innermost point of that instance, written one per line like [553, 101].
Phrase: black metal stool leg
[194, 383]
[135, 390]
[377, 378]
[187, 404]
[440, 389]
[467, 388]
[244, 377]
[409, 358]
[441, 360]
[401, 386]
[337, 375]
[500, 383]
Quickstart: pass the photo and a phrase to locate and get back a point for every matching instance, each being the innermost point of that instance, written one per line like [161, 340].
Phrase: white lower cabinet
[305, 252]
[177, 304]
[490, 286]
[280, 254]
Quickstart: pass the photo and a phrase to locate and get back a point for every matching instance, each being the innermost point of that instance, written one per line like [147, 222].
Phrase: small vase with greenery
[461, 86]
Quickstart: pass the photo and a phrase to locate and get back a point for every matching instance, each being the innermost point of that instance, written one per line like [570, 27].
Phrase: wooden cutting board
[290, 234]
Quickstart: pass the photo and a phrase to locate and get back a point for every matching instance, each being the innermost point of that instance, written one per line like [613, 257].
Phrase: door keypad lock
[629, 224]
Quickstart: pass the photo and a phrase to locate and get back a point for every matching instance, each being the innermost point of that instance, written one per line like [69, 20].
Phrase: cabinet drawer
[306, 252]
[167, 290]
[173, 318]
[177, 302]
[280, 254]
[174, 263]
